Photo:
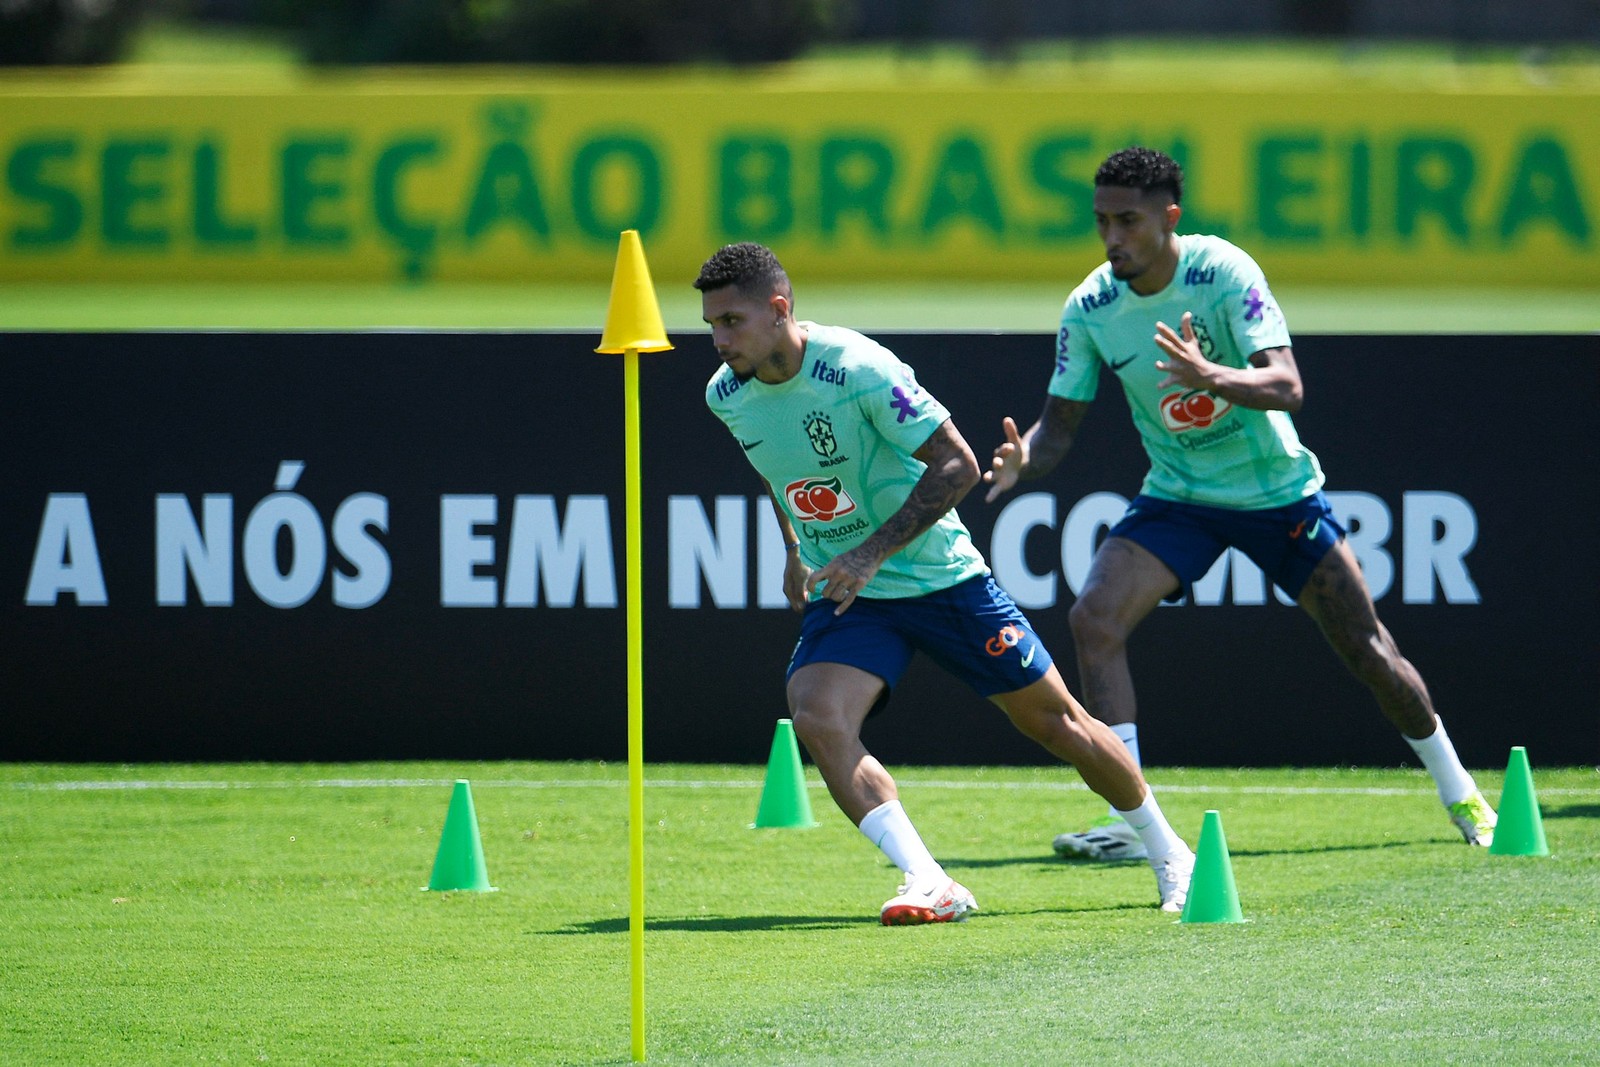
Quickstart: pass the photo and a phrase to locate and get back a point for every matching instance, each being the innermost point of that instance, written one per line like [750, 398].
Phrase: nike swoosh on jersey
[748, 445]
[1118, 366]
[1027, 661]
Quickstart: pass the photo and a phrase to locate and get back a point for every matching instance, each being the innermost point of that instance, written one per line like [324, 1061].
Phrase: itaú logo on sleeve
[818, 499]
[1192, 410]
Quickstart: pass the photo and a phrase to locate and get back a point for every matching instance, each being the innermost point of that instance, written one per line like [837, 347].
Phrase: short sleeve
[1077, 371]
[903, 412]
[1253, 314]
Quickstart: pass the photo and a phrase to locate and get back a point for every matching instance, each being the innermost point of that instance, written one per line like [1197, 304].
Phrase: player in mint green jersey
[1189, 327]
[864, 469]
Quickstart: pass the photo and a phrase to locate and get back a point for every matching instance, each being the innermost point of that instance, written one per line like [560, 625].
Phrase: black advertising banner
[220, 546]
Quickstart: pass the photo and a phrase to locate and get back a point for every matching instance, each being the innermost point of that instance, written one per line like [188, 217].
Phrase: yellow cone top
[633, 319]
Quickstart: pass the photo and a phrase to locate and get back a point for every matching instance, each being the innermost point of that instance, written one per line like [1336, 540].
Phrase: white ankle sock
[889, 827]
[1439, 756]
[1129, 734]
[1158, 836]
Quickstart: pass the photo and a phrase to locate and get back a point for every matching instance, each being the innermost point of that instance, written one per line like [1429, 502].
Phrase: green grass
[1027, 308]
[273, 913]
[1221, 61]
[170, 44]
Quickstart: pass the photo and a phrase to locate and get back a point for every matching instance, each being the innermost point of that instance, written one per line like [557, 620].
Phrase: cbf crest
[819, 431]
[1203, 337]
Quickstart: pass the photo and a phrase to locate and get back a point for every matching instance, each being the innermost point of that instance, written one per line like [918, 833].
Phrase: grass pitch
[1029, 308]
[273, 913]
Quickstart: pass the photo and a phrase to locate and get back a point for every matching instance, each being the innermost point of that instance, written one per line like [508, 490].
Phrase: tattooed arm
[951, 474]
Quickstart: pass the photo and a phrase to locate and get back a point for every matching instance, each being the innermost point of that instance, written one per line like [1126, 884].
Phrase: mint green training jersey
[1202, 449]
[835, 443]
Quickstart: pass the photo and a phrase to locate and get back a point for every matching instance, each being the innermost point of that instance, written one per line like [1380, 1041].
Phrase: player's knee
[1075, 740]
[1095, 629]
[816, 726]
[1033, 726]
[1055, 730]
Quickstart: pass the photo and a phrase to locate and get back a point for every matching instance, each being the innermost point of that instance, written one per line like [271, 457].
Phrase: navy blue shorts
[1287, 543]
[973, 630]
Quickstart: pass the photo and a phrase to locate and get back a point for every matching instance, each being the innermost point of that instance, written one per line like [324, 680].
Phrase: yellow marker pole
[633, 325]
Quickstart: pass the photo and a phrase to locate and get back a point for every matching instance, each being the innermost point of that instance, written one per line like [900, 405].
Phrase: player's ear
[1174, 213]
[780, 308]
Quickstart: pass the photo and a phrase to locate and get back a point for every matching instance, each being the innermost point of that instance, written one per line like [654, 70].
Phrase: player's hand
[1187, 366]
[795, 573]
[1010, 456]
[844, 576]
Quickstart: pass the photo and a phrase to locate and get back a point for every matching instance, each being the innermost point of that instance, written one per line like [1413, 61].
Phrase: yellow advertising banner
[508, 178]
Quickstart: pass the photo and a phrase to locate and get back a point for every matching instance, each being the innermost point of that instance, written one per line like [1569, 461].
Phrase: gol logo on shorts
[1008, 637]
[818, 499]
[1192, 410]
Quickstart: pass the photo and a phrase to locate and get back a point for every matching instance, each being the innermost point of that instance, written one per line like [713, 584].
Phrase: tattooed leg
[1336, 597]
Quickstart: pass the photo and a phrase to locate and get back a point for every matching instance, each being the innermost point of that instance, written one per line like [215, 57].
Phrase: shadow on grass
[1087, 909]
[1041, 862]
[1372, 847]
[1571, 811]
[784, 923]
[723, 924]
[1051, 862]
[726, 924]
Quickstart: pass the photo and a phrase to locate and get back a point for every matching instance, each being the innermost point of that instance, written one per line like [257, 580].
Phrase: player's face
[744, 329]
[1136, 228]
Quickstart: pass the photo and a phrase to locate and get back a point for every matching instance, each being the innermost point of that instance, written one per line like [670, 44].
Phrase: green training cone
[784, 802]
[1213, 898]
[1520, 831]
[459, 865]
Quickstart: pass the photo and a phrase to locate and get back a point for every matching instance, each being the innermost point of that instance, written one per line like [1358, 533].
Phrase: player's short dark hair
[1145, 169]
[751, 267]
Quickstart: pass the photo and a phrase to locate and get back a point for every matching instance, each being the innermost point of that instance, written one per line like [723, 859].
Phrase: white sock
[1439, 756]
[889, 827]
[1129, 733]
[1158, 836]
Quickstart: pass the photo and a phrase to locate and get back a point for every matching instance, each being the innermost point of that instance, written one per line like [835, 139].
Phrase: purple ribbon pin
[902, 404]
[1253, 304]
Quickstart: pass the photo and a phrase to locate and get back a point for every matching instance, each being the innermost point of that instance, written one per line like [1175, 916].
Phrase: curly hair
[1145, 169]
[751, 267]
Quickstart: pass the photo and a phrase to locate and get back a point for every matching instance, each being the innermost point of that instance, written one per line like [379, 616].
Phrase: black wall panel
[108, 426]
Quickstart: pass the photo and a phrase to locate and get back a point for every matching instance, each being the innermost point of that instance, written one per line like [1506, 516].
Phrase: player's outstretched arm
[1035, 453]
[952, 471]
